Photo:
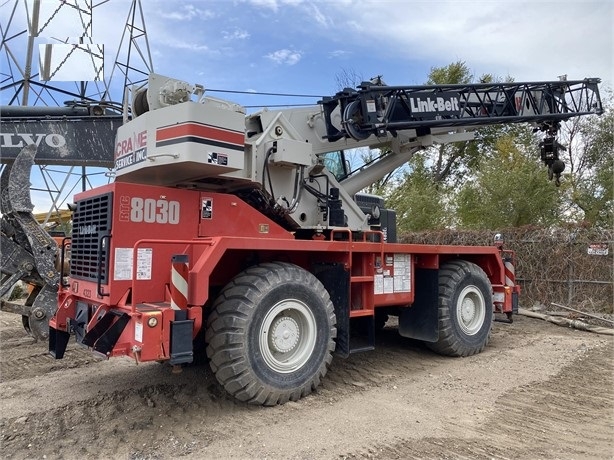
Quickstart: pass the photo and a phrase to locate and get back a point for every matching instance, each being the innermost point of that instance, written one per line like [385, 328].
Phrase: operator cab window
[335, 163]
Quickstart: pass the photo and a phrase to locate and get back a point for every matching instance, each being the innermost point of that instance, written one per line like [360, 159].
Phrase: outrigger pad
[58, 340]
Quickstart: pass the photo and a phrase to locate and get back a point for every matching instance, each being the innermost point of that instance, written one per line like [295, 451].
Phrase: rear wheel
[465, 309]
[271, 333]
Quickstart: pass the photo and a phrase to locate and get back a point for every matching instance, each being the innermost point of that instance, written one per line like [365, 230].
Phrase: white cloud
[318, 16]
[185, 45]
[273, 5]
[284, 56]
[71, 62]
[527, 40]
[236, 34]
[339, 54]
[187, 12]
[311, 9]
[270, 4]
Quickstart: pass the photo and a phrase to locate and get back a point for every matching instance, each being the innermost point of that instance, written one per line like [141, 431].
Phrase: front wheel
[270, 335]
[465, 309]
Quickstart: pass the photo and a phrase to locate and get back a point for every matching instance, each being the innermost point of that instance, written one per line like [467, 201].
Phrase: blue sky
[302, 46]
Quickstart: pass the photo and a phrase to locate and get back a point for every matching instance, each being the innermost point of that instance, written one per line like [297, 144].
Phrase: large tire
[465, 309]
[270, 335]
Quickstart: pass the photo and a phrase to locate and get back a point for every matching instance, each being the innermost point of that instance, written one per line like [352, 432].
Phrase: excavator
[78, 134]
[246, 236]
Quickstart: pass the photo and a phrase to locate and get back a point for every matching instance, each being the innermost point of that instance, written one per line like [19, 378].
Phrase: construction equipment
[248, 236]
[78, 134]
[28, 252]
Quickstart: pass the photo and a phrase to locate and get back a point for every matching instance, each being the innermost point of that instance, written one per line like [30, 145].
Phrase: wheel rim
[287, 336]
[471, 310]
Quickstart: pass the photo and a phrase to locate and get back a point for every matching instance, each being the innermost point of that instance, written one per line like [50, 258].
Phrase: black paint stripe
[200, 140]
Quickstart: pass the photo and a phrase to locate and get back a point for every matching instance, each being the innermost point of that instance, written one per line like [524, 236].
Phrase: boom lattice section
[377, 109]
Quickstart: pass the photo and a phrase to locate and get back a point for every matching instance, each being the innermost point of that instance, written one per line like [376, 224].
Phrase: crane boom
[377, 109]
[280, 152]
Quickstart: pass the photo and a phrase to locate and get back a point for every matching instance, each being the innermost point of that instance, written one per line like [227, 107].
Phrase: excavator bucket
[28, 252]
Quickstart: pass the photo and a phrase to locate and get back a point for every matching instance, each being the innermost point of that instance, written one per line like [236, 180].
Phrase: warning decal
[402, 273]
[207, 208]
[124, 258]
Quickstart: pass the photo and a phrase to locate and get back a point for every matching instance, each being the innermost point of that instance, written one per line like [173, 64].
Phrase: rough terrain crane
[245, 236]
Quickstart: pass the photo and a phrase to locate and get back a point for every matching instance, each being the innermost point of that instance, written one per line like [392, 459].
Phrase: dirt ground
[537, 391]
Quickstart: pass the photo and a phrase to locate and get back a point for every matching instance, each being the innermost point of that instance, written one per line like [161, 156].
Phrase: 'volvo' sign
[83, 141]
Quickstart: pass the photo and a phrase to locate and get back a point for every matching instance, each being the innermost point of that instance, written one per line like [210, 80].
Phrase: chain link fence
[572, 266]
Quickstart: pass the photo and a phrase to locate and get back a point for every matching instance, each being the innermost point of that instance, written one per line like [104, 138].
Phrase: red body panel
[219, 233]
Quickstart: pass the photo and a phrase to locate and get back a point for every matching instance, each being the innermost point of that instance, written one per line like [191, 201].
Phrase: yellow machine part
[57, 216]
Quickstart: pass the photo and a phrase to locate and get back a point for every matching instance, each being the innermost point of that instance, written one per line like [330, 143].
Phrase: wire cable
[277, 105]
[261, 93]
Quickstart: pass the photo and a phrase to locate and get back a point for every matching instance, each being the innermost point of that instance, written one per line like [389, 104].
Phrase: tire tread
[229, 319]
[450, 274]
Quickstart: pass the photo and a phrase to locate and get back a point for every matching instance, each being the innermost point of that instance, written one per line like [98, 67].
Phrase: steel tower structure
[52, 56]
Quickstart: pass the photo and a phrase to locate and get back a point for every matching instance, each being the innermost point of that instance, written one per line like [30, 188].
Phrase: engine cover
[180, 143]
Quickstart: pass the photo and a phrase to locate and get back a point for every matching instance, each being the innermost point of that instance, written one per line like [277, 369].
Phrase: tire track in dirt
[11, 329]
[157, 411]
[23, 357]
[393, 356]
[116, 409]
[191, 395]
[33, 362]
[105, 420]
[14, 335]
[540, 420]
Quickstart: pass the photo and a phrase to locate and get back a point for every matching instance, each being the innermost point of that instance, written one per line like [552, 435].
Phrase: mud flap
[105, 334]
[336, 280]
[421, 320]
[181, 338]
[58, 340]
[362, 336]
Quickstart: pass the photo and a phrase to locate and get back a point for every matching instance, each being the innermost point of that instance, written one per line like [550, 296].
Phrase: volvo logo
[19, 140]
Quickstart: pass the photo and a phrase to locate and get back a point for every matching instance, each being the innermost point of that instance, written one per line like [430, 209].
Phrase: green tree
[418, 201]
[510, 189]
[447, 161]
[451, 162]
[589, 177]
[435, 172]
[456, 72]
